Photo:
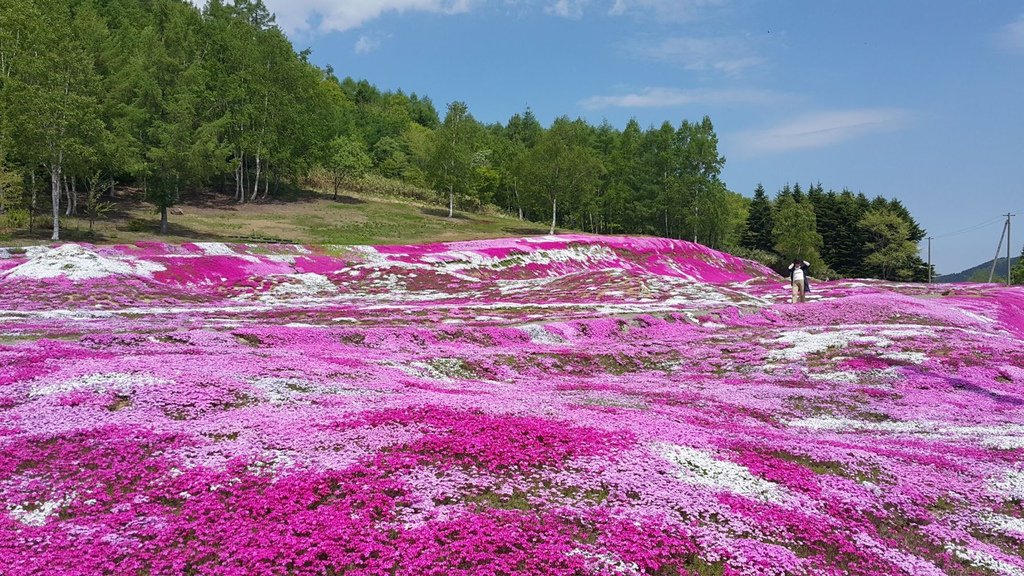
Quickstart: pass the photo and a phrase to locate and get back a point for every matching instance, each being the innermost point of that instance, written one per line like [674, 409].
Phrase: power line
[971, 228]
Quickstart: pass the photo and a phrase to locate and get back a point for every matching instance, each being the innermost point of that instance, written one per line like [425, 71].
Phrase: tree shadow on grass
[174, 230]
[349, 200]
[524, 231]
[442, 213]
[215, 199]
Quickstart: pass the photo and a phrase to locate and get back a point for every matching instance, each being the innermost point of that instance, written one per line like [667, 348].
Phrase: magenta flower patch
[560, 405]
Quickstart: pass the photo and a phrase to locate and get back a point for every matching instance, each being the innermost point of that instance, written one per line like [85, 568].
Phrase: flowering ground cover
[558, 405]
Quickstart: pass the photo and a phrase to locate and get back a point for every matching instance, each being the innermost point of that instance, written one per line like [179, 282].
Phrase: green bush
[139, 225]
[769, 259]
[14, 219]
[376, 185]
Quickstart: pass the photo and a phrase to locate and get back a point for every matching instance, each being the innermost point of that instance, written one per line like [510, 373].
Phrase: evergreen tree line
[841, 234]
[171, 99]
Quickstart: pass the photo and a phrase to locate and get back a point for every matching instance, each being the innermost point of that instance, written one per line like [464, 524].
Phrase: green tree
[759, 232]
[390, 157]
[889, 247]
[709, 216]
[562, 166]
[795, 232]
[451, 167]
[626, 178]
[1017, 272]
[347, 158]
[51, 91]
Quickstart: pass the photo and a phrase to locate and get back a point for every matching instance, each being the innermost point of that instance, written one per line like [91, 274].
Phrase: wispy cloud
[1011, 36]
[725, 55]
[674, 10]
[657, 97]
[367, 44]
[567, 8]
[303, 16]
[822, 129]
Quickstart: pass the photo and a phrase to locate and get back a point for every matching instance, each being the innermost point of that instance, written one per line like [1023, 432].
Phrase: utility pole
[1008, 216]
[1005, 232]
[929, 259]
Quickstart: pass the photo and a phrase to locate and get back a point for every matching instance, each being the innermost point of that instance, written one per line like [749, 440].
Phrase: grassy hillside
[306, 217]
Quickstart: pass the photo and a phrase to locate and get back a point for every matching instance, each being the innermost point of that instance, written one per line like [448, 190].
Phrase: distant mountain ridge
[967, 274]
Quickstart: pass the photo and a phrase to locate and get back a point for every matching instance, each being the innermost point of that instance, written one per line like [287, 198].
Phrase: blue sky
[917, 100]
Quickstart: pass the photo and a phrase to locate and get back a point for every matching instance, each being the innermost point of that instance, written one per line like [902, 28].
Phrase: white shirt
[798, 274]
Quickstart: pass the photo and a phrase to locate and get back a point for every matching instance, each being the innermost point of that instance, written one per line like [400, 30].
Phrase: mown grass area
[304, 217]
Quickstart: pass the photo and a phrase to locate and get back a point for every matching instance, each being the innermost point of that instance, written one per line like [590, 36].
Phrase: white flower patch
[222, 249]
[604, 562]
[1012, 485]
[271, 462]
[802, 343]
[306, 285]
[371, 258]
[1003, 436]
[76, 262]
[282, 258]
[978, 317]
[40, 512]
[521, 285]
[905, 332]
[1005, 523]
[117, 382]
[460, 261]
[985, 560]
[703, 469]
[905, 356]
[540, 335]
[1004, 442]
[850, 377]
[281, 390]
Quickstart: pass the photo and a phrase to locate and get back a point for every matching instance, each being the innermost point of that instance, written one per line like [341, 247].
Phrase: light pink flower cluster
[561, 405]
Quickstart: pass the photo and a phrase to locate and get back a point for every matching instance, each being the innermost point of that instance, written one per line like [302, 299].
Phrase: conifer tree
[760, 225]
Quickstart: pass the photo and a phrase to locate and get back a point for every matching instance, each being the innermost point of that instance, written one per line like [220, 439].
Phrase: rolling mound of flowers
[560, 405]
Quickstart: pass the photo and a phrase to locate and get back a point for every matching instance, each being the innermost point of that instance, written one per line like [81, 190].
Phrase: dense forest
[169, 99]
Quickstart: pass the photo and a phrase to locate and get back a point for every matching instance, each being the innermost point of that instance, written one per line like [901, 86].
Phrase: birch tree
[452, 164]
[51, 91]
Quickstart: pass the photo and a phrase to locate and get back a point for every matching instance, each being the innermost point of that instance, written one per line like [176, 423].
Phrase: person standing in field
[798, 279]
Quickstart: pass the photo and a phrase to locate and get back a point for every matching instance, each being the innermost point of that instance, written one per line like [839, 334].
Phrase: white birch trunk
[515, 190]
[238, 180]
[554, 213]
[55, 180]
[256, 180]
[67, 194]
[245, 187]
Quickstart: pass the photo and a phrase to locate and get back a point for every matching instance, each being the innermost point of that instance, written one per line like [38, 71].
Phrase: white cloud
[675, 10]
[567, 8]
[725, 55]
[821, 129]
[656, 97]
[366, 44]
[340, 15]
[1011, 36]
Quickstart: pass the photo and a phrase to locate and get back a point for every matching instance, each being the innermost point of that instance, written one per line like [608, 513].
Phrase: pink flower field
[559, 405]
